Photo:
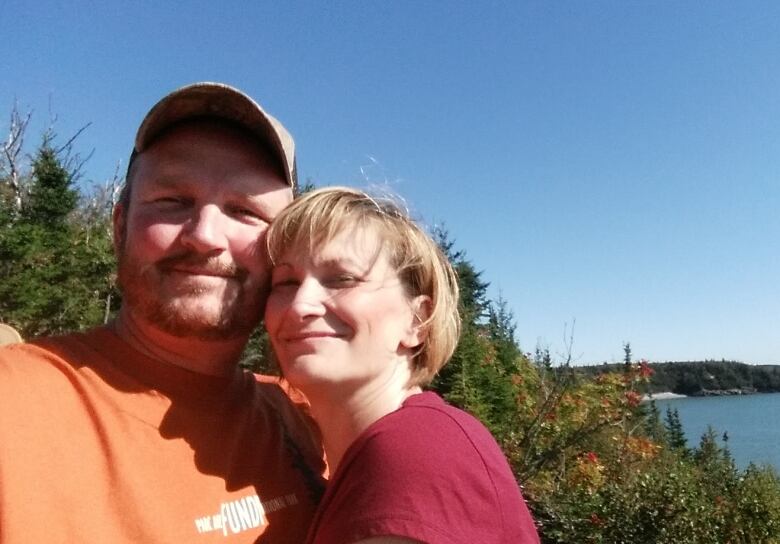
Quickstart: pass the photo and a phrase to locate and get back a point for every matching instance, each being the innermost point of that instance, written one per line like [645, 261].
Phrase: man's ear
[418, 328]
[118, 219]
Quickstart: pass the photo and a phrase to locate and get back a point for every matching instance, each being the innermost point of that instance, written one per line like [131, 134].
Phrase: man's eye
[170, 202]
[240, 211]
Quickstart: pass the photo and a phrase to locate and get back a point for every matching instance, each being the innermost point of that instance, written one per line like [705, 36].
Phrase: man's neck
[204, 356]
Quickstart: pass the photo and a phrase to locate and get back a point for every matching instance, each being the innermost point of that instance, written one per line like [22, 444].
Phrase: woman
[362, 314]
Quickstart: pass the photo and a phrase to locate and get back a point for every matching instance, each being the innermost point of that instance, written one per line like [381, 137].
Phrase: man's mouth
[197, 271]
[198, 266]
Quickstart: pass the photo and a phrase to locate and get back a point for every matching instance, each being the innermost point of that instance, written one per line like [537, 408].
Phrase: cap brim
[220, 101]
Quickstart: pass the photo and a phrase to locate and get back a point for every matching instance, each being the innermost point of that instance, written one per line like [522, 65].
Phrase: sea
[751, 422]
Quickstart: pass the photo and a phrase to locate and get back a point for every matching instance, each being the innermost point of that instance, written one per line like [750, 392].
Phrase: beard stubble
[185, 312]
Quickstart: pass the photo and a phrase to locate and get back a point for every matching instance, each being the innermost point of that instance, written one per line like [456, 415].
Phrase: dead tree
[10, 167]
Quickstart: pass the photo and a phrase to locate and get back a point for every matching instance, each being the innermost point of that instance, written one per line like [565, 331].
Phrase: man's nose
[205, 231]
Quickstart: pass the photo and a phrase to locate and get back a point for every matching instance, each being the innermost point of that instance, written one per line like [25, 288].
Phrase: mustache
[209, 265]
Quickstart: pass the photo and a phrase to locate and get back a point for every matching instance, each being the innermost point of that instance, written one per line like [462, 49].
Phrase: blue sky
[610, 164]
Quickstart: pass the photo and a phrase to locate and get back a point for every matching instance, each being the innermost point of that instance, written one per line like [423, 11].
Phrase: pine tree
[627, 358]
[52, 196]
[56, 270]
[653, 426]
[457, 380]
[674, 431]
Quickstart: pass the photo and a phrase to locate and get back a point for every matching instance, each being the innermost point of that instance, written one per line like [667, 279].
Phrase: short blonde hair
[317, 217]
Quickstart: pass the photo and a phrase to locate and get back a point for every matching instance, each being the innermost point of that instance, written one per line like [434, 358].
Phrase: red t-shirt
[429, 472]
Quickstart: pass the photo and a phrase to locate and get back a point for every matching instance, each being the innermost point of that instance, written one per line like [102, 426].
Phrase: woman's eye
[284, 282]
[343, 280]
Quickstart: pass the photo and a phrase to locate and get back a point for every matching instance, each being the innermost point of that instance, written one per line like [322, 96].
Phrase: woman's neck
[343, 415]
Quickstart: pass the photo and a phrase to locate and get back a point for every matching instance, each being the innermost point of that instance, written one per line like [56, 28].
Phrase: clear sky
[614, 164]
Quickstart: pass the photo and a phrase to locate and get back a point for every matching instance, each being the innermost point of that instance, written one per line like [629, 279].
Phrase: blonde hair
[317, 217]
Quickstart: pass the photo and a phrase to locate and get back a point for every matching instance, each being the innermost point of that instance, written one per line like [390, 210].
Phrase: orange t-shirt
[99, 443]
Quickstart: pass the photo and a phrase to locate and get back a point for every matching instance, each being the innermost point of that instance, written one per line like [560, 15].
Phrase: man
[146, 430]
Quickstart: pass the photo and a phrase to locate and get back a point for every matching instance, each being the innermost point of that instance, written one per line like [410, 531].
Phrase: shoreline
[663, 395]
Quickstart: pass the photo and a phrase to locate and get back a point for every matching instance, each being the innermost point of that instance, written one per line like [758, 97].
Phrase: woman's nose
[309, 298]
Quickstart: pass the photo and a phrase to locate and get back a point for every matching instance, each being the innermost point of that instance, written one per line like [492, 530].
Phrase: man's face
[191, 240]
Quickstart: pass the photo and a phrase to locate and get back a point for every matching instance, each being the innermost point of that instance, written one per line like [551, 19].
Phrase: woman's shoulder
[432, 460]
[426, 417]
[428, 439]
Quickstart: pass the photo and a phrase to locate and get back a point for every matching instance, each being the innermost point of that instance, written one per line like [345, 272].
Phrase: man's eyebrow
[165, 181]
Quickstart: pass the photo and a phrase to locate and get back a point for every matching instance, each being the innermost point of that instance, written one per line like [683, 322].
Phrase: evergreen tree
[653, 427]
[456, 381]
[627, 357]
[501, 327]
[718, 471]
[479, 375]
[52, 197]
[56, 272]
[674, 431]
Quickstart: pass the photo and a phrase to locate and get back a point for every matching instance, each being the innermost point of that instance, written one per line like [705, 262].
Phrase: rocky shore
[663, 395]
[725, 392]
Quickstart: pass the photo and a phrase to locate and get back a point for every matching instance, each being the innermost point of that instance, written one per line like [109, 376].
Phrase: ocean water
[751, 421]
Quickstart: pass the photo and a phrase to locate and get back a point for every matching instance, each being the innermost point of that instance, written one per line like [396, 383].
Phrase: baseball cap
[219, 101]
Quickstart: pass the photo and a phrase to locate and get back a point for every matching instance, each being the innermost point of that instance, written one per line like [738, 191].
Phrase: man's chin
[198, 328]
[203, 323]
[204, 314]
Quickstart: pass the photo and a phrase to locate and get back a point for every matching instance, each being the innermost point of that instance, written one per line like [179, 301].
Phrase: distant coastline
[701, 378]
[666, 395]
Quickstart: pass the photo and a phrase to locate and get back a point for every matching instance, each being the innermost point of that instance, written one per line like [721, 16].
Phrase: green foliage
[675, 434]
[660, 503]
[654, 428]
[56, 272]
[51, 197]
[259, 356]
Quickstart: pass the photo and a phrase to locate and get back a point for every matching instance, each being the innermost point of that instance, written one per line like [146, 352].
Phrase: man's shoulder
[280, 389]
[44, 357]
[284, 400]
[33, 356]
[291, 407]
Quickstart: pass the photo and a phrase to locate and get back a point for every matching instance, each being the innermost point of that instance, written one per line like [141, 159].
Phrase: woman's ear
[418, 329]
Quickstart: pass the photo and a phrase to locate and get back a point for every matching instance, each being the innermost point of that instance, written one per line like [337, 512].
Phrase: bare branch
[67, 145]
[12, 149]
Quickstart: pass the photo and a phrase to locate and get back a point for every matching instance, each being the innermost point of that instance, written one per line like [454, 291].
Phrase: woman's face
[341, 314]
